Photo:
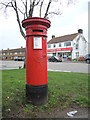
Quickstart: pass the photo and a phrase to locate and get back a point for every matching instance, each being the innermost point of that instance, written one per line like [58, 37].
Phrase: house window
[54, 54]
[48, 46]
[59, 44]
[10, 53]
[20, 52]
[67, 43]
[73, 44]
[77, 54]
[54, 45]
[77, 45]
[15, 53]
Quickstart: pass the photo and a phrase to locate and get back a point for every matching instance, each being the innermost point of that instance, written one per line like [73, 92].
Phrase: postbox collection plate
[37, 42]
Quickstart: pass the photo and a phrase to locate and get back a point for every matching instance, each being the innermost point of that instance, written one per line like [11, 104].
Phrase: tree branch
[32, 8]
[18, 20]
[23, 2]
[10, 4]
[41, 7]
[56, 13]
[20, 10]
[37, 3]
[6, 5]
[47, 8]
[32, 5]
[26, 9]
[30, 14]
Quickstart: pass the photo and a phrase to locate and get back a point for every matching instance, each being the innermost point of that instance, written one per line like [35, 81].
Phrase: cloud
[10, 36]
[72, 19]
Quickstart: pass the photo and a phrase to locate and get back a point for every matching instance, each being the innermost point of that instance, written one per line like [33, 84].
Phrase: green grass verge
[64, 89]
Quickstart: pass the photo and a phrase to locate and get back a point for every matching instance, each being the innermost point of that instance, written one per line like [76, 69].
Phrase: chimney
[53, 36]
[80, 31]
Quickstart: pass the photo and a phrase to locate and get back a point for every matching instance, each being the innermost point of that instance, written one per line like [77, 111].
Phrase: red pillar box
[36, 59]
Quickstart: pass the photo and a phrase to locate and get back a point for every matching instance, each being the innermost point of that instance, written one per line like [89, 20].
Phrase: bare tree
[27, 8]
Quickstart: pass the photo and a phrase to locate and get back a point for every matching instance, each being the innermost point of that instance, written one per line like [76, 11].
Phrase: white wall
[74, 48]
[82, 46]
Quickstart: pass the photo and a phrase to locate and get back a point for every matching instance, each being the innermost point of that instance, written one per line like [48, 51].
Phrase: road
[11, 64]
[62, 66]
[68, 67]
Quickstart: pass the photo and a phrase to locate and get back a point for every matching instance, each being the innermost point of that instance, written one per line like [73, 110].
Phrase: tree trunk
[24, 59]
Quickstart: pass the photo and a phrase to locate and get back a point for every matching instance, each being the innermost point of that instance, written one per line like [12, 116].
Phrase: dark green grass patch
[64, 89]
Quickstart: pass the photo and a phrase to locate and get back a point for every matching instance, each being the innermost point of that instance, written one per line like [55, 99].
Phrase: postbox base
[37, 94]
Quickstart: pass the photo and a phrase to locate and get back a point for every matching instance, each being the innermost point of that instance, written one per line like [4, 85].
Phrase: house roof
[14, 50]
[63, 38]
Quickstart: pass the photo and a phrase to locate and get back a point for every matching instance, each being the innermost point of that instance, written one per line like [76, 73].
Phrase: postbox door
[37, 61]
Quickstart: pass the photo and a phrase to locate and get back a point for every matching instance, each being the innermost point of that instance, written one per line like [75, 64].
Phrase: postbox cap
[36, 21]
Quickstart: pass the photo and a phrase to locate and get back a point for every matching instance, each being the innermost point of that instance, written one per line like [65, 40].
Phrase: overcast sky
[73, 18]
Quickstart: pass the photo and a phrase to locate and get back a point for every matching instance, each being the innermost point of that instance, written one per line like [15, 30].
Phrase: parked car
[87, 58]
[54, 59]
[19, 59]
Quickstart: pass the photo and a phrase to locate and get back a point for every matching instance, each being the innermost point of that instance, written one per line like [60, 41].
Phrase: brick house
[13, 54]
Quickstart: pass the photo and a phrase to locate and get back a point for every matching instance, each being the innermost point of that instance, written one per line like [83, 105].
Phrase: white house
[71, 46]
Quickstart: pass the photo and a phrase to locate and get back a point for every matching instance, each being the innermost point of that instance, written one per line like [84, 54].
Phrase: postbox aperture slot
[37, 30]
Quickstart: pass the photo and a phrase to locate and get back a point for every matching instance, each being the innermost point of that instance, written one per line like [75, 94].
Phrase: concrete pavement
[51, 66]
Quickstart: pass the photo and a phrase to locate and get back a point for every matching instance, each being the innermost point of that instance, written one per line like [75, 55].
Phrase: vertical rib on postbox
[36, 59]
